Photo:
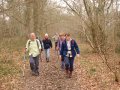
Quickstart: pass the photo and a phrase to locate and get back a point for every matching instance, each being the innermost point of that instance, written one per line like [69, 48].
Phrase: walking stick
[24, 61]
[40, 55]
[58, 54]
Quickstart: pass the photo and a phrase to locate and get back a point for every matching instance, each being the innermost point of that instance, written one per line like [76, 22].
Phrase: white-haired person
[47, 45]
[33, 47]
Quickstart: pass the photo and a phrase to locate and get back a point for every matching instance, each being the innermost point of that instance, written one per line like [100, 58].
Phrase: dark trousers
[62, 63]
[69, 62]
[34, 63]
[56, 45]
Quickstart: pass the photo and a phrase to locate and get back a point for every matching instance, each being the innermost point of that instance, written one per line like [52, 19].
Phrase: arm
[39, 44]
[42, 47]
[62, 48]
[76, 47]
[43, 44]
[50, 44]
[27, 46]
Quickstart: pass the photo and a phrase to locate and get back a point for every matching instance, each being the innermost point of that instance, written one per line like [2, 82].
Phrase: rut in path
[51, 77]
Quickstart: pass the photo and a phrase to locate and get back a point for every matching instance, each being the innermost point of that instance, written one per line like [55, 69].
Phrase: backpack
[37, 44]
[41, 43]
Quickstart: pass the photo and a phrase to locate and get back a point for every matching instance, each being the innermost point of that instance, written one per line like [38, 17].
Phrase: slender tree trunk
[35, 16]
[27, 16]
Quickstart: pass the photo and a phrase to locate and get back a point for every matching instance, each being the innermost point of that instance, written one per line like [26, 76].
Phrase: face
[62, 37]
[67, 38]
[46, 36]
[32, 36]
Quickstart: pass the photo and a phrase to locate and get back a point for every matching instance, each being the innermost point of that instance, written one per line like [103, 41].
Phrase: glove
[25, 50]
[78, 55]
[60, 56]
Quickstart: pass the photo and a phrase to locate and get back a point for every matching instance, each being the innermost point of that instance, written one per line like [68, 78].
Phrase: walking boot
[37, 73]
[67, 73]
[70, 74]
[47, 59]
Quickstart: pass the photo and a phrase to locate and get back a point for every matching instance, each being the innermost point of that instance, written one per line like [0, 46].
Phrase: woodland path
[53, 78]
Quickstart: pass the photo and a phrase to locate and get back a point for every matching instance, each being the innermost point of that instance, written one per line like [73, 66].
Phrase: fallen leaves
[90, 74]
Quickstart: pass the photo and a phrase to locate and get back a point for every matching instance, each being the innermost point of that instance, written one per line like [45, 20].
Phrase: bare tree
[95, 27]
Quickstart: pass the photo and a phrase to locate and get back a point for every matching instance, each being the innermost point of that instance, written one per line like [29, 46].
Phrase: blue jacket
[74, 48]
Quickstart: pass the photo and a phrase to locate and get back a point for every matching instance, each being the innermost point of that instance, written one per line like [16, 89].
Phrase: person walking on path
[47, 45]
[68, 50]
[56, 37]
[33, 47]
[59, 45]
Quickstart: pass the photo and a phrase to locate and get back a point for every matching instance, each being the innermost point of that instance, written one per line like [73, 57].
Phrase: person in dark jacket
[47, 45]
[69, 50]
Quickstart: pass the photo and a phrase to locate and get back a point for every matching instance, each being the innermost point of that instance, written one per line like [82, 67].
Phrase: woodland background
[95, 24]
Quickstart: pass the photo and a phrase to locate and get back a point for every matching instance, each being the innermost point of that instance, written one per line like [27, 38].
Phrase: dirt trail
[51, 78]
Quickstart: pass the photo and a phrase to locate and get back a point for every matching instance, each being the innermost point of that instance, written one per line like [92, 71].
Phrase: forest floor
[90, 73]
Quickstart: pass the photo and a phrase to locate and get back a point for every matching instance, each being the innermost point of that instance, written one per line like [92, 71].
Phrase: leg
[37, 65]
[56, 46]
[62, 63]
[48, 55]
[71, 66]
[67, 65]
[32, 63]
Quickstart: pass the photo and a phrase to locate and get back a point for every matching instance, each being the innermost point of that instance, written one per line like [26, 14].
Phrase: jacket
[47, 43]
[74, 48]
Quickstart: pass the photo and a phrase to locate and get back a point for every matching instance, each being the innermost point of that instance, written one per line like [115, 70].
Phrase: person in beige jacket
[33, 47]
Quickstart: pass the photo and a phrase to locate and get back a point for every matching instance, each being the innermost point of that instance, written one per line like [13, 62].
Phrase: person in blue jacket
[69, 50]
